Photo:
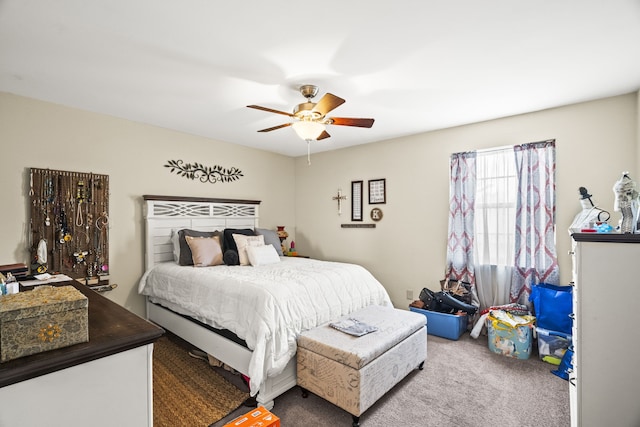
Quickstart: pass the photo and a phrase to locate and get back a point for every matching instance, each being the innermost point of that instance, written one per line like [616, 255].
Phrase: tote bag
[552, 305]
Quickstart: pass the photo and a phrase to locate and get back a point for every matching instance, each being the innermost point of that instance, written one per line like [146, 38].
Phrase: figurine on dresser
[590, 217]
[626, 202]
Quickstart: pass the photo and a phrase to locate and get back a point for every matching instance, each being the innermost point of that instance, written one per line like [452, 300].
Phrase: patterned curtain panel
[535, 251]
[462, 192]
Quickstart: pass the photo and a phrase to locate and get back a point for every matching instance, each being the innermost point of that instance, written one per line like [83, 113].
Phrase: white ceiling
[414, 66]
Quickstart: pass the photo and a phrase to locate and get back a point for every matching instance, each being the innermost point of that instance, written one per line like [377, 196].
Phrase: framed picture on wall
[377, 191]
[356, 200]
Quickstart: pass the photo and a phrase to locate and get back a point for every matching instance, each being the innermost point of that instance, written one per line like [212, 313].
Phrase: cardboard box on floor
[259, 417]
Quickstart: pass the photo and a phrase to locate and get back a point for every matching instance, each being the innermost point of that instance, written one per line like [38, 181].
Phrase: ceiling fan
[311, 118]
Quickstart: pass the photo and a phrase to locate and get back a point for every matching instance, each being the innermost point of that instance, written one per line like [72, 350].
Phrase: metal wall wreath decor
[204, 173]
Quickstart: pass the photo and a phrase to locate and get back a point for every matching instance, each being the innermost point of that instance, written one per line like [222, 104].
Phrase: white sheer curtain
[496, 188]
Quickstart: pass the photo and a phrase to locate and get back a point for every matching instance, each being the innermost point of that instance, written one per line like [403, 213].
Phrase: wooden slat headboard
[164, 215]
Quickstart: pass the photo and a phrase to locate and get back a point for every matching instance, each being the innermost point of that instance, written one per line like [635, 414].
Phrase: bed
[248, 317]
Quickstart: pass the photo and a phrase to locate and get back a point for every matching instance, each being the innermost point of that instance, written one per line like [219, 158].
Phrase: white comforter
[269, 305]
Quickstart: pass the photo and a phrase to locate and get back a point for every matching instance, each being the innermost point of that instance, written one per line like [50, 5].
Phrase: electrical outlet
[409, 294]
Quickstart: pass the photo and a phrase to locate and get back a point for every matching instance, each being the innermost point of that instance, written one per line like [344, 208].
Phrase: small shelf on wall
[358, 225]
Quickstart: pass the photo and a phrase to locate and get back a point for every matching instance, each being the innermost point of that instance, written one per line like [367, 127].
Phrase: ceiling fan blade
[270, 110]
[323, 135]
[275, 127]
[350, 121]
[327, 103]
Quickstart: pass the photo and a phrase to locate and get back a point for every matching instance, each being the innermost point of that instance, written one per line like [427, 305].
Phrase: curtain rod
[505, 147]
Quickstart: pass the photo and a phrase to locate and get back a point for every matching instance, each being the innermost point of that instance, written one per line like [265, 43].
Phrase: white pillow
[262, 255]
[242, 242]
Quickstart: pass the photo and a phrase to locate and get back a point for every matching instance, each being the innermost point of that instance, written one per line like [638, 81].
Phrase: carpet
[463, 384]
[187, 391]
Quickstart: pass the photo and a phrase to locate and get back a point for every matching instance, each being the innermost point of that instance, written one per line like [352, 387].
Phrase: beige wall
[638, 129]
[44, 135]
[595, 142]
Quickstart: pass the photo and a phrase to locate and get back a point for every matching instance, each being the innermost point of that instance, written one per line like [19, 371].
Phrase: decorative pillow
[271, 238]
[229, 242]
[242, 242]
[175, 241]
[186, 258]
[262, 255]
[231, 257]
[206, 251]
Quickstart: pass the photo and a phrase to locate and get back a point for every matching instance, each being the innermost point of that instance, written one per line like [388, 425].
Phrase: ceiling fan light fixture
[309, 119]
[308, 130]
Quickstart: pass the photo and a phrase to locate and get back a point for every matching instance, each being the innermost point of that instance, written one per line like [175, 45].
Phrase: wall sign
[204, 173]
[358, 225]
[377, 191]
[356, 200]
[376, 214]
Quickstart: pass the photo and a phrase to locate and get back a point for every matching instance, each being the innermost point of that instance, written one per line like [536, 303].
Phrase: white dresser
[105, 382]
[605, 381]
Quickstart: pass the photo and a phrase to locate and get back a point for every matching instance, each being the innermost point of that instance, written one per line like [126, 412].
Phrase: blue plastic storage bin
[552, 345]
[444, 325]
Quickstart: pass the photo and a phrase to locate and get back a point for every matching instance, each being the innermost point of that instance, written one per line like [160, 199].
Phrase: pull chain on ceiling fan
[310, 119]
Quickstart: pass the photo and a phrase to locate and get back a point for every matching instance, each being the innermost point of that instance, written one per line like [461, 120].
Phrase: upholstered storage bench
[354, 372]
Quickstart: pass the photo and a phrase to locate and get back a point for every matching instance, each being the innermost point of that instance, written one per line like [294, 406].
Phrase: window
[495, 207]
[502, 221]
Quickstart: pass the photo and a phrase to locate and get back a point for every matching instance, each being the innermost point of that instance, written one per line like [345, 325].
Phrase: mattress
[267, 306]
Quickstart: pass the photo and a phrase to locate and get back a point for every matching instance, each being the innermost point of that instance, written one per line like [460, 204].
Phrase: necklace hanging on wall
[81, 195]
[69, 224]
[48, 198]
[211, 174]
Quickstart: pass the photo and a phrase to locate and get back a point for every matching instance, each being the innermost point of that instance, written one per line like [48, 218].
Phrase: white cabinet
[111, 391]
[605, 381]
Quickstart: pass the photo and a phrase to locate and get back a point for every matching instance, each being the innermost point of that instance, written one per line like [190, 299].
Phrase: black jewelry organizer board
[70, 224]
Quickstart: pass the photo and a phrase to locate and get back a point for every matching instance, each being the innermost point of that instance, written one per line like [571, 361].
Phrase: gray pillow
[271, 238]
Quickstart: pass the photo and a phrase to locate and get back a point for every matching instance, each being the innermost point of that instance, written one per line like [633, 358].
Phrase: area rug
[187, 391]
